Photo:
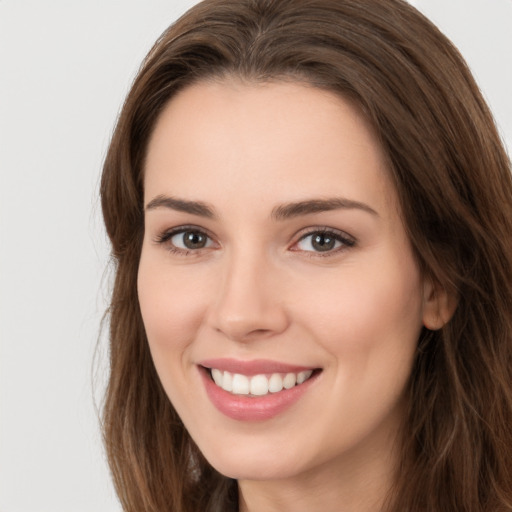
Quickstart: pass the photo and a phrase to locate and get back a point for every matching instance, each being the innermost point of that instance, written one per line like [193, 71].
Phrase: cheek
[172, 304]
[369, 315]
[368, 323]
[172, 308]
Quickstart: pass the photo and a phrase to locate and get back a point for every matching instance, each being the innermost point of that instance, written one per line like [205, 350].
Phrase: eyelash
[345, 240]
[165, 239]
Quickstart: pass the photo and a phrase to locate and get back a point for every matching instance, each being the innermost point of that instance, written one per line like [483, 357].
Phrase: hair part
[452, 177]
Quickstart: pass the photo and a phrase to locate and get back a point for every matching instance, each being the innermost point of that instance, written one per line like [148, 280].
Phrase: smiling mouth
[258, 385]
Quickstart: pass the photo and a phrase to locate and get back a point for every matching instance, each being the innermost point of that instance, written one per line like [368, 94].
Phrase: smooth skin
[242, 274]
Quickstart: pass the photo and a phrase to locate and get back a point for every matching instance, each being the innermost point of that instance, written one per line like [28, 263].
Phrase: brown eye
[194, 240]
[324, 241]
[190, 240]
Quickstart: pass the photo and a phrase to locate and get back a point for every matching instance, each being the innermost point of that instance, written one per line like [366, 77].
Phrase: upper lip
[253, 367]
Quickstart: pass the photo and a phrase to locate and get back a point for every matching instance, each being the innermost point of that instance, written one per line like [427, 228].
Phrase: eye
[324, 241]
[183, 240]
[190, 240]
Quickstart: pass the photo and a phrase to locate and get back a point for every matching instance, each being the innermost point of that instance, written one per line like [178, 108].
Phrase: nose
[250, 303]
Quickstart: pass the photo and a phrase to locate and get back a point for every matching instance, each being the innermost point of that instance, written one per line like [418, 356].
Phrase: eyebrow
[181, 205]
[290, 210]
[279, 213]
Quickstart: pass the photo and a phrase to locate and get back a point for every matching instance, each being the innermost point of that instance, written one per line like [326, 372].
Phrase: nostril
[247, 330]
[241, 335]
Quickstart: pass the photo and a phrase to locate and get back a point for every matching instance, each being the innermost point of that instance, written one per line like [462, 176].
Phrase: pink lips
[248, 408]
[254, 367]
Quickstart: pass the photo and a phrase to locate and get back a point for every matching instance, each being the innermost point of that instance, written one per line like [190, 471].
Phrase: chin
[257, 461]
[262, 469]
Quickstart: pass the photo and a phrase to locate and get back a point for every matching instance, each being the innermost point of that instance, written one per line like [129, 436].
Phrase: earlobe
[438, 305]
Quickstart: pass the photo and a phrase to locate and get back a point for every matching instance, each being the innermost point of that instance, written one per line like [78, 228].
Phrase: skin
[260, 289]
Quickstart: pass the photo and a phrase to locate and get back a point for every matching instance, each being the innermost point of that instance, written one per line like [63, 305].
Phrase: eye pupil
[194, 240]
[323, 242]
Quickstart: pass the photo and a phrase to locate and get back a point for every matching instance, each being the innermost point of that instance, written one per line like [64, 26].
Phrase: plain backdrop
[65, 66]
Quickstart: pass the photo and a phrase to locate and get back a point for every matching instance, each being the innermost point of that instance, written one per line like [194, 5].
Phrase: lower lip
[246, 408]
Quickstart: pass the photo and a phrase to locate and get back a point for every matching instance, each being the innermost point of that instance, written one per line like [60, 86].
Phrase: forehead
[234, 140]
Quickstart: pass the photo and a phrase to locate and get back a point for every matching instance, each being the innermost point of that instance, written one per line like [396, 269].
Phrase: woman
[310, 211]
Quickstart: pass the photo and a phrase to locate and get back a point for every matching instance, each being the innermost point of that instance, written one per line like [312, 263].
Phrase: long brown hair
[453, 180]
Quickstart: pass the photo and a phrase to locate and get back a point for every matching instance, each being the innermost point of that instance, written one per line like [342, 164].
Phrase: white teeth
[290, 380]
[217, 376]
[240, 384]
[275, 383]
[227, 381]
[303, 376]
[258, 385]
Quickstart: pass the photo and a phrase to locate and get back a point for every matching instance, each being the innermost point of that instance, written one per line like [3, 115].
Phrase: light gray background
[65, 66]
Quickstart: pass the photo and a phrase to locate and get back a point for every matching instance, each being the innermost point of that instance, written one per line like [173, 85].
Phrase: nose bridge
[248, 304]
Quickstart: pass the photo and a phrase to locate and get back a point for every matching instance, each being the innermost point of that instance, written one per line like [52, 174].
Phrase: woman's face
[274, 252]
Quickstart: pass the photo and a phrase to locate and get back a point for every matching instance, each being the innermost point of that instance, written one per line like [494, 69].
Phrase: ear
[438, 305]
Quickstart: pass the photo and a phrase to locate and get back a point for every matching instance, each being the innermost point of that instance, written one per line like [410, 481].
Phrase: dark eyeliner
[338, 235]
[346, 240]
[165, 236]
